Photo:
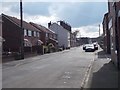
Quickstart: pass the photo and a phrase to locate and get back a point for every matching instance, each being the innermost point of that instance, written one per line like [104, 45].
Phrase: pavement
[12, 58]
[102, 73]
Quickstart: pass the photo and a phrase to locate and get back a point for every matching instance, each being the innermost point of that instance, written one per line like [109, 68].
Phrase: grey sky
[77, 14]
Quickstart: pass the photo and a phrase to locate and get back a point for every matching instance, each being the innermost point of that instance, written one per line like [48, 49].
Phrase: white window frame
[46, 34]
[29, 33]
[25, 32]
[35, 34]
[38, 34]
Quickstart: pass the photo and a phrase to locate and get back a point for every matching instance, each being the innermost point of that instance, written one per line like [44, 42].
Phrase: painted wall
[63, 35]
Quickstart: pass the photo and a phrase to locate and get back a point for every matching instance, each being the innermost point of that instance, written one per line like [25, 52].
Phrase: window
[46, 34]
[35, 33]
[29, 33]
[32, 33]
[25, 32]
[38, 34]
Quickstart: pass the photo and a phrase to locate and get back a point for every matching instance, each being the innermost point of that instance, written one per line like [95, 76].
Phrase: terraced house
[11, 32]
[113, 28]
[48, 37]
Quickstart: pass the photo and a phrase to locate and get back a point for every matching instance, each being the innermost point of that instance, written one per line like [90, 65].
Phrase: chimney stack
[49, 24]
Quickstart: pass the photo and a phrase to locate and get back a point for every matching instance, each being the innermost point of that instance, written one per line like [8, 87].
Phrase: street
[64, 69]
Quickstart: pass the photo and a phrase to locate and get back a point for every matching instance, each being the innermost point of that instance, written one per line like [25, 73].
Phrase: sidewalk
[103, 73]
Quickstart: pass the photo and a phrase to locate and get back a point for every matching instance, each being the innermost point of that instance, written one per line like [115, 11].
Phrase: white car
[89, 47]
[95, 45]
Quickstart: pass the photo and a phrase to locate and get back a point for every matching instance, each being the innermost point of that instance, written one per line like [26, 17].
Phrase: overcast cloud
[83, 16]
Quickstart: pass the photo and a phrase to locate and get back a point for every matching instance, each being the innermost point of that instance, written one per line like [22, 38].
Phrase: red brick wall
[114, 39]
[11, 34]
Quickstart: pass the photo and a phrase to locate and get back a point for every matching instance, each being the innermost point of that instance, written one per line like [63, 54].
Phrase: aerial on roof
[18, 22]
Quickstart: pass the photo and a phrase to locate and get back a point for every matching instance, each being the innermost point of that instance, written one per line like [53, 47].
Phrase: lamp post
[22, 32]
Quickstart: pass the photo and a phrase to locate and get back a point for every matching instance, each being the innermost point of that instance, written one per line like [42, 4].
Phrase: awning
[54, 40]
[26, 40]
[27, 43]
[40, 41]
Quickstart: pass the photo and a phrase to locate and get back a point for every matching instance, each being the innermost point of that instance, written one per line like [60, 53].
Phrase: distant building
[73, 39]
[11, 32]
[63, 31]
[94, 40]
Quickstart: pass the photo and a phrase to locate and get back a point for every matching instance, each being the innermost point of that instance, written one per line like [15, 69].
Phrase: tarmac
[103, 74]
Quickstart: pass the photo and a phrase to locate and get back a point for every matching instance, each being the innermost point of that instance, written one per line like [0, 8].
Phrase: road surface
[64, 69]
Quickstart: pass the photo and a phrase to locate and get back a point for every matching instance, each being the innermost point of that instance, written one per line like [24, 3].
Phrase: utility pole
[22, 32]
[99, 30]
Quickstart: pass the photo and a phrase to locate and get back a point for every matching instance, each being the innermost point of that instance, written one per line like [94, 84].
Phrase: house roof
[18, 22]
[42, 28]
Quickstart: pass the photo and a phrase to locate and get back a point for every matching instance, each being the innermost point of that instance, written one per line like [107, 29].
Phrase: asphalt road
[64, 69]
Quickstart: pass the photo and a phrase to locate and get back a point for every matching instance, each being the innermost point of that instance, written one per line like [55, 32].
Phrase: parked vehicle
[84, 47]
[95, 46]
[89, 47]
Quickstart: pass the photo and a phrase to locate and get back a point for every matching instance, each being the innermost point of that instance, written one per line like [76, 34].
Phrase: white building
[63, 35]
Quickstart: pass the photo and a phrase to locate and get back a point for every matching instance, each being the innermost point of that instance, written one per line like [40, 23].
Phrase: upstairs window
[46, 34]
[25, 32]
[32, 33]
[38, 34]
[35, 33]
[29, 33]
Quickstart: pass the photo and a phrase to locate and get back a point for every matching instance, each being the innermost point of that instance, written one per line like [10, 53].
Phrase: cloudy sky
[82, 16]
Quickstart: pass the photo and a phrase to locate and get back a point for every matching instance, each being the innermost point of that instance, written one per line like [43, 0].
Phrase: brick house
[114, 27]
[47, 36]
[11, 32]
[106, 33]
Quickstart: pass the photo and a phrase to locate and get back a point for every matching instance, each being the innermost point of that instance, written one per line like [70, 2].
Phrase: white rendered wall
[62, 33]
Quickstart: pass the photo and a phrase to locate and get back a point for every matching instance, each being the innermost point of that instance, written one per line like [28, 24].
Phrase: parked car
[84, 47]
[95, 46]
[89, 47]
